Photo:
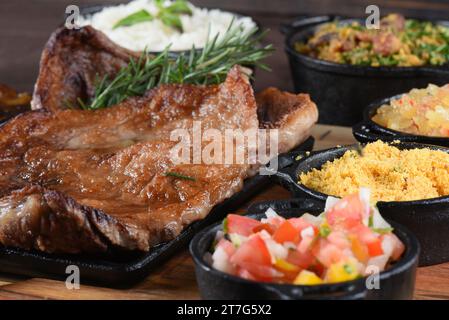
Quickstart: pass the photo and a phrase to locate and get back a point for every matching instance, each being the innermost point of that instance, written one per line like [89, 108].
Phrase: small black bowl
[342, 90]
[397, 282]
[428, 219]
[370, 131]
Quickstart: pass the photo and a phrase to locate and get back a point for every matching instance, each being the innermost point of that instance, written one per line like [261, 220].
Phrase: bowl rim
[372, 108]
[409, 258]
[356, 69]
[322, 196]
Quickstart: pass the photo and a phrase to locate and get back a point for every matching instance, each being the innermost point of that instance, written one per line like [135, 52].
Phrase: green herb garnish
[371, 221]
[168, 15]
[324, 231]
[225, 225]
[171, 20]
[138, 17]
[177, 7]
[209, 65]
[382, 230]
[348, 269]
[179, 175]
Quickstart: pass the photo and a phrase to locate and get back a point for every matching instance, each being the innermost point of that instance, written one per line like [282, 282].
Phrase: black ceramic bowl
[428, 219]
[369, 131]
[397, 282]
[341, 90]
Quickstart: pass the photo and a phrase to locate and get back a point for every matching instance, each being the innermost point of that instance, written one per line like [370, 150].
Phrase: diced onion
[330, 203]
[307, 232]
[315, 220]
[220, 261]
[378, 221]
[270, 213]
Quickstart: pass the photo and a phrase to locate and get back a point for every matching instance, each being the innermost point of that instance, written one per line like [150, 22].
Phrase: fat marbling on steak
[84, 181]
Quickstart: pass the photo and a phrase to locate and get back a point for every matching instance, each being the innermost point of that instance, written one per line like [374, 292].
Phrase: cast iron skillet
[369, 131]
[397, 282]
[427, 219]
[342, 90]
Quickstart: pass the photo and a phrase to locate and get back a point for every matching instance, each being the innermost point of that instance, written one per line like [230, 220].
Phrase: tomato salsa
[338, 245]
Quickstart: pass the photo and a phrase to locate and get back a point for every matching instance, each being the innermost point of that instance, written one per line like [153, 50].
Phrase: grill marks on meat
[83, 181]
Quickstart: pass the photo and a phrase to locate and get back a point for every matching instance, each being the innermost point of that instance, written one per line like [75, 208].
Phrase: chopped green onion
[382, 230]
[325, 231]
[225, 225]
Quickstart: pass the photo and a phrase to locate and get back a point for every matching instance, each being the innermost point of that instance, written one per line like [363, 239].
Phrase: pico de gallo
[336, 246]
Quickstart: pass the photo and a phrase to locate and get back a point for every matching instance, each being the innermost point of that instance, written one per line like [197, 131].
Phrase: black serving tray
[369, 131]
[397, 282]
[122, 269]
[428, 219]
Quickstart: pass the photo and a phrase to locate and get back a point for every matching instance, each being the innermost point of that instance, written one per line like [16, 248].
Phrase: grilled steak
[72, 62]
[84, 181]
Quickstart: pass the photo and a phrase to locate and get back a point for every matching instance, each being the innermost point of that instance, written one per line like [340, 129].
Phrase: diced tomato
[318, 268]
[327, 253]
[299, 223]
[254, 250]
[375, 248]
[332, 248]
[286, 233]
[227, 246]
[275, 221]
[261, 272]
[370, 239]
[340, 239]
[241, 225]
[264, 226]
[365, 234]
[347, 213]
[253, 256]
[302, 260]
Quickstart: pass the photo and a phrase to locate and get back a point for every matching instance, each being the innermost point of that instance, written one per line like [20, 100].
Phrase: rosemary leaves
[209, 65]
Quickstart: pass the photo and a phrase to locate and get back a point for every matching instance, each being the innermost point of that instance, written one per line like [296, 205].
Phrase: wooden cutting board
[175, 279]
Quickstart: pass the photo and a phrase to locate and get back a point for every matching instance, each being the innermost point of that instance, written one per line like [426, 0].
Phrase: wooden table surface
[175, 279]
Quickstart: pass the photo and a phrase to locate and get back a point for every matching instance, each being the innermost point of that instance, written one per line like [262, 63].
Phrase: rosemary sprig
[209, 65]
[179, 175]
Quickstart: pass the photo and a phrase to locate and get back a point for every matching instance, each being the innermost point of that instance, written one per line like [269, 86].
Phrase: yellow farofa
[390, 173]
